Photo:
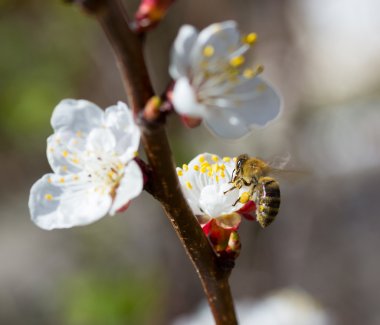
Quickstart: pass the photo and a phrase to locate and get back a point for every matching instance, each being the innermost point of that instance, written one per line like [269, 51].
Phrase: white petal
[119, 119]
[56, 205]
[261, 107]
[183, 44]
[101, 140]
[264, 107]
[184, 100]
[214, 202]
[63, 152]
[76, 115]
[223, 37]
[227, 124]
[131, 185]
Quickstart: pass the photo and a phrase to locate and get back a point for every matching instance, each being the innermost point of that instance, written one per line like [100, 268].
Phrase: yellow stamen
[226, 159]
[215, 158]
[203, 169]
[49, 180]
[64, 168]
[208, 51]
[179, 172]
[250, 39]
[214, 168]
[217, 178]
[185, 167]
[222, 174]
[75, 161]
[61, 180]
[48, 197]
[65, 153]
[209, 173]
[249, 73]
[188, 185]
[136, 153]
[196, 167]
[201, 158]
[244, 197]
[237, 61]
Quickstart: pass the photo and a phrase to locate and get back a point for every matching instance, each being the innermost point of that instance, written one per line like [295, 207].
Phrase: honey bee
[263, 189]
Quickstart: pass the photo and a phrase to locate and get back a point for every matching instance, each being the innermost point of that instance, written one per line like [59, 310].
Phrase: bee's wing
[289, 174]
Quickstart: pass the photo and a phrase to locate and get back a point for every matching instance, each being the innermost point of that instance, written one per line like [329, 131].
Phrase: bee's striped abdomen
[268, 201]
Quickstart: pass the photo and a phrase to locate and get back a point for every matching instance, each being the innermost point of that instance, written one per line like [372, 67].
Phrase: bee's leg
[229, 190]
[232, 177]
[236, 202]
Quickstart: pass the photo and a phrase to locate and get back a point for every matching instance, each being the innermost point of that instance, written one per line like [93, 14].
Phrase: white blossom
[204, 182]
[91, 154]
[213, 83]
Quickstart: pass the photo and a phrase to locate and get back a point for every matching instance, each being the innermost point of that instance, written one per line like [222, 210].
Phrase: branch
[164, 185]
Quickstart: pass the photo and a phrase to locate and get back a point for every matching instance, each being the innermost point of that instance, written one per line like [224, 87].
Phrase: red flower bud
[150, 13]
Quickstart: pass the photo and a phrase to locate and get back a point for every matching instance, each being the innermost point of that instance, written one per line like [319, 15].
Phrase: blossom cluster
[92, 152]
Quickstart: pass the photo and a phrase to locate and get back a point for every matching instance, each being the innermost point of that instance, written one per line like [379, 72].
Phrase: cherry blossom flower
[91, 154]
[213, 83]
[204, 183]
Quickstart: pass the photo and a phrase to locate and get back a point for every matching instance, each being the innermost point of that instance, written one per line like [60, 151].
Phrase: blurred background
[324, 58]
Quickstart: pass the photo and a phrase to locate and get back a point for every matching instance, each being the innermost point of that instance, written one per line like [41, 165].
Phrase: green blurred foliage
[37, 68]
[93, 299]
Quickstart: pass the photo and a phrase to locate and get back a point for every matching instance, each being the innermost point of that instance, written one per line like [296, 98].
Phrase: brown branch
[164, 183]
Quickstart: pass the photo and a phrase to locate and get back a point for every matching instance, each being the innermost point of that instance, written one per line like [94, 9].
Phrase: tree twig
[164, 184]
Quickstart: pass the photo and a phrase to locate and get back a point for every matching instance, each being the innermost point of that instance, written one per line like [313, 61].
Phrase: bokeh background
[324, 58]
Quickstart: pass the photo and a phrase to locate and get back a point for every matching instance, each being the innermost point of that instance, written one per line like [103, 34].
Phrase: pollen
[250, 39]
[49, 180]
[234, 159]
[208, 51]
[75, 177]
[78, 134]
[65, 153]
[237, 61]
[48, 197]
[226, 159]
[201, 158]
[217, 178]
[135, 154]
[196, 167]
[244, 197]
[61, 180]
[222, 174]
[185, 167]
[64, 168]
[75, 161]
[215, 158]
[209, 173]
[249, 73]
[179, 172]
[203, 169]
[188, 185]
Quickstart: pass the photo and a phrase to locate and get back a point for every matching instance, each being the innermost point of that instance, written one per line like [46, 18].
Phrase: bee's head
[240, 161]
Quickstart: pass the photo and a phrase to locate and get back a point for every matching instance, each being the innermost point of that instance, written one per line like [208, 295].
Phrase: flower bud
[150, 12]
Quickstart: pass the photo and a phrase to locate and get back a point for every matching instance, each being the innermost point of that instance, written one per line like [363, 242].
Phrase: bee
[263, 189]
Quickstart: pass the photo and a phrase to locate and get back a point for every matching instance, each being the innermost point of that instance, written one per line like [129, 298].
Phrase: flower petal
[223, 38]
[101, 140]
[241, 113]
[119, 119]
[131, 185]
[184, 100]
[76, 115]
[55, 204]
[183, 44]
[63, 151]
